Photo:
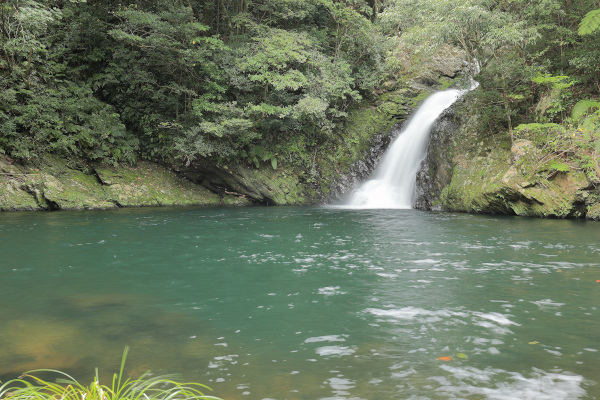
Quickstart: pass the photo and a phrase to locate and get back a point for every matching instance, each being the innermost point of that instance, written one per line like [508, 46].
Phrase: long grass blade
[146, 387]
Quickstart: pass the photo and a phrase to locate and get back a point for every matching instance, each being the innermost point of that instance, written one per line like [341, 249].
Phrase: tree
[43, 110]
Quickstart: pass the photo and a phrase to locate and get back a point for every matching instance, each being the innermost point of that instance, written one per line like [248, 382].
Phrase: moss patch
[486, 180]
[54, 183]
[150, 184]
[284, 186]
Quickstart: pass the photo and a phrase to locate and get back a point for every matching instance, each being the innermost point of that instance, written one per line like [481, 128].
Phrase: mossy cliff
[56, 184]
[470, 172]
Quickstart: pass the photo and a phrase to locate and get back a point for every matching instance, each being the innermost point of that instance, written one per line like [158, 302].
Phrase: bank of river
[307, 303]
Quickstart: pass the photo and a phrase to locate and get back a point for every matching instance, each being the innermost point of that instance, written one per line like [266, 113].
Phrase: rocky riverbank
[53, 183]
[466, 172]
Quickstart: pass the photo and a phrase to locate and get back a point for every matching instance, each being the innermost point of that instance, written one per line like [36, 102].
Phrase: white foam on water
[466, 382]
[495, 317]
[326, 338]
[334, 351]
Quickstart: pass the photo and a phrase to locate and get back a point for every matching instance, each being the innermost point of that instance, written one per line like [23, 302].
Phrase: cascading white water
[394, 180]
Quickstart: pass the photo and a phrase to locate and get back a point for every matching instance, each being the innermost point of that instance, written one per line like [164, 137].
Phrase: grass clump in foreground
[146, 387]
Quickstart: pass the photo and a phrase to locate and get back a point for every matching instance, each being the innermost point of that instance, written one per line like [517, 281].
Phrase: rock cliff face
[466, 173]
[56, 184]
[360, 171]
[436, 169]
[263, 186]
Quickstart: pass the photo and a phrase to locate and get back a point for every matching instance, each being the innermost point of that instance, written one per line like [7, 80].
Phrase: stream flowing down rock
[393, 183]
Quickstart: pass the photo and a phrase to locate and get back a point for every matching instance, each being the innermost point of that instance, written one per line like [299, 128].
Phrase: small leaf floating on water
[445, 358]
[462, 355]
[597, 280]
[534, 342]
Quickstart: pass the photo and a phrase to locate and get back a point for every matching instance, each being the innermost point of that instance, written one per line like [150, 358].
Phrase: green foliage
[555, 97]
[271, 80]
[476, 26]
[563, 148]
[555, 82]
[537, 129]
[256, 154]
[590, 23]
[583, 107]
[147, 386]
[181, 80]
[559, 166]
[42, 110]
[66, 120]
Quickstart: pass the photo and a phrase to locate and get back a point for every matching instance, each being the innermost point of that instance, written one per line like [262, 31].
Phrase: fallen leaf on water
[462, 355]
[598, 281]
[534, 342]
[445, 358]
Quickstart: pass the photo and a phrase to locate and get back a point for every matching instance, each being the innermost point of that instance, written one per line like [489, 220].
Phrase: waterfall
[394, 181]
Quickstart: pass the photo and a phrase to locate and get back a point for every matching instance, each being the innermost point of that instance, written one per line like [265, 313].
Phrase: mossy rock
[54, 183]
[593, 212]
[486, 179]
[151, 184]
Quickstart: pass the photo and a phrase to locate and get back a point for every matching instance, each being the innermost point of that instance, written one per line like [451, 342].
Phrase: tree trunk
[375, 10]
[507, 110]
[28, 70]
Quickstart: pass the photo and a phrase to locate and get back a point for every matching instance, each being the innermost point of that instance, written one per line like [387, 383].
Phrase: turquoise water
[307, 303]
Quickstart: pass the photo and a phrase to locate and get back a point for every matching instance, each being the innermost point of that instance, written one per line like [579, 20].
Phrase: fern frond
[583, 107]
[590, 23]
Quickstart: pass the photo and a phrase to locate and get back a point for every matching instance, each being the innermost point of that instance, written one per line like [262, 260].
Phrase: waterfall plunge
[393, 183]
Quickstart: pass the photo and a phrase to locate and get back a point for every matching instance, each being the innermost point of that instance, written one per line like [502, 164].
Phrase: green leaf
[558, 166]
[199, 26]
[267, 155]
[590, 23]
[583, 107]
[274, 163]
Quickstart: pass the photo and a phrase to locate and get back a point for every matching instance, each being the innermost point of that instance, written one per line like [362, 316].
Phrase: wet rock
[362, 169]
[436, 169]
[521, 148]
[486, 177]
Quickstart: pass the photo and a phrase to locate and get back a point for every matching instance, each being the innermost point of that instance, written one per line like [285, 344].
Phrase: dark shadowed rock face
[436, 169]
[361, 170]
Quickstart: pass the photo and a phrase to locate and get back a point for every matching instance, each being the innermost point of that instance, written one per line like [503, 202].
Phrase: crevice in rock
[98, 177]
[223, 183]
[40, 198]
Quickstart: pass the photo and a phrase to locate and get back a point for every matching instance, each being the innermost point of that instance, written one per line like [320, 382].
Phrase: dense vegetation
[268, 81]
